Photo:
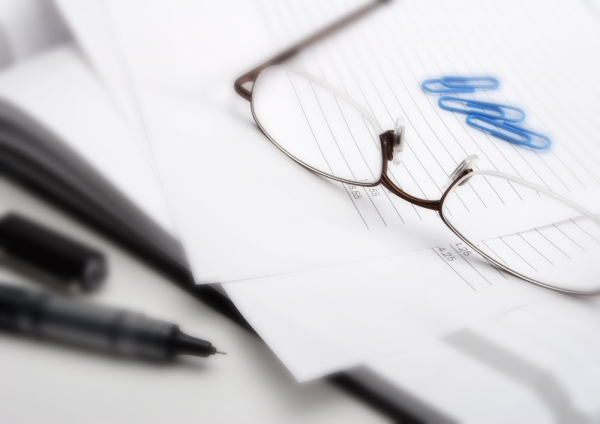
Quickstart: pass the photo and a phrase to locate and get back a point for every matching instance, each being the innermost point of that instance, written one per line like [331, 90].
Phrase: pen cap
[63, 259]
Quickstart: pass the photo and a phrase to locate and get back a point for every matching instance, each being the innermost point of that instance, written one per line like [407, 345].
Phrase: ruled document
[381, 61]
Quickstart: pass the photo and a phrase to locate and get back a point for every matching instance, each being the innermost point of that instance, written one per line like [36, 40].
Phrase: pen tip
[220, 353]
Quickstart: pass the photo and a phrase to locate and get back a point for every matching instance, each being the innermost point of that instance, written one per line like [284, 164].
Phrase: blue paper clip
[546, 142]
[460, 82]
[493, 127]
[425, 86]
[498, 113]
[480, 108]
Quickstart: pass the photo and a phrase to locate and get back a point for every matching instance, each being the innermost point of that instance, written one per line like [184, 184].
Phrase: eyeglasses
[328, 133]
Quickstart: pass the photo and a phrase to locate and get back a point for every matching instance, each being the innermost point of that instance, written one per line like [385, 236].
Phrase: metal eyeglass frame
[390, 140]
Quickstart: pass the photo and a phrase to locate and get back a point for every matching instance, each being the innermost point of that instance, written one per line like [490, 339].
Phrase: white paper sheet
[357, 312]
[535, 364]
[532, 359]
[91, 25]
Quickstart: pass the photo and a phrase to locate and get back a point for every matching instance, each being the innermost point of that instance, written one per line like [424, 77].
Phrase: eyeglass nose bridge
[390, 141]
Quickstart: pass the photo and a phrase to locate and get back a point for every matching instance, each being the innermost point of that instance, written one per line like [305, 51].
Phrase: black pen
[74, 266]
[112, 330]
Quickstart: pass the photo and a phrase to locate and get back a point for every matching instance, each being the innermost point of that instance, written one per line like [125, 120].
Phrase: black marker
[112, 330]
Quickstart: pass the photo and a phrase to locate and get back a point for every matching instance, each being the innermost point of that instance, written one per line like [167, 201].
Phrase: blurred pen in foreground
[112, 330]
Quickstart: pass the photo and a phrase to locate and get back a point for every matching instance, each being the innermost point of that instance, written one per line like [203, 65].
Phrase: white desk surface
[46, 383]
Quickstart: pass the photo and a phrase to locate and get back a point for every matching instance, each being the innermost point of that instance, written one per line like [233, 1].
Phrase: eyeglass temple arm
[295, 49]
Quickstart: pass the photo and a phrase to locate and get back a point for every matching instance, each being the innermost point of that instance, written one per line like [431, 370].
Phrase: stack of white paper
[337, 288]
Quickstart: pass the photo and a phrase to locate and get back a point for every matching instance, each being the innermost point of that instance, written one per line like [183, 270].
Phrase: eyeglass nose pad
[466, 164]
[398, 147]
